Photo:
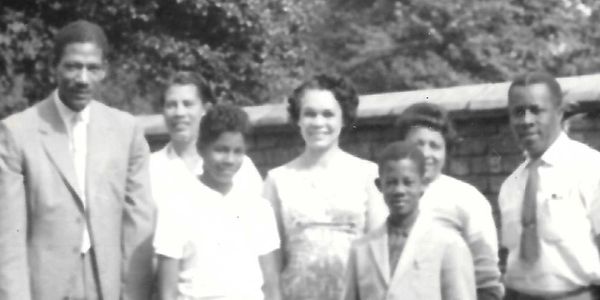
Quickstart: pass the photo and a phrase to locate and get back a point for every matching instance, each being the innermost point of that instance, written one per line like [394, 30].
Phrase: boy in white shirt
[223, 243]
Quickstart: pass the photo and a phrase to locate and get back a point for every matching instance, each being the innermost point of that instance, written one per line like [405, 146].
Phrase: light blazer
[42, 215]
[435, 264]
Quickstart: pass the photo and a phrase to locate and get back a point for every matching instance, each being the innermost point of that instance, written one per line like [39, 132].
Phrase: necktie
[77, 140]
[530, 243]
[396, 243]
[79, 148]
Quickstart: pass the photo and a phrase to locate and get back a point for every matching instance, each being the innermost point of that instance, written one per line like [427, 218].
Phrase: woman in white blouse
[176, 166]
[175, 169]
[452, 201]
[325, 198]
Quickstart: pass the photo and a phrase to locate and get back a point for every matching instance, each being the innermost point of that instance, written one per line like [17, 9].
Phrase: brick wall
[486, 154]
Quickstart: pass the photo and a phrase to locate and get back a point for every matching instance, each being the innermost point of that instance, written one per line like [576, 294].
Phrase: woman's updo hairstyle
[432, 116]
[342, 90]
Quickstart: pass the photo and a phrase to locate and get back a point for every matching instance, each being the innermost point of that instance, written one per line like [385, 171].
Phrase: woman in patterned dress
[325, 198]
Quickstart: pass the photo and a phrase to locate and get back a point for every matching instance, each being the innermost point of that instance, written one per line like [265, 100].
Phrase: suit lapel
[414, 245]
[379, 250]
[56, 144]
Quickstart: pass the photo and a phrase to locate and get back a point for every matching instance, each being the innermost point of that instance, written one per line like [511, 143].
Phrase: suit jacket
[42, 216]
[435, 264]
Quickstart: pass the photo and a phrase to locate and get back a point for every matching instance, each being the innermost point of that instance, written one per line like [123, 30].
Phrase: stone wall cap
[467, 98]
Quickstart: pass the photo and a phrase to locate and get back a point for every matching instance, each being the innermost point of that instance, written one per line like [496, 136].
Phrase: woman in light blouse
[454, 202]
[175, 167]
[325, 198]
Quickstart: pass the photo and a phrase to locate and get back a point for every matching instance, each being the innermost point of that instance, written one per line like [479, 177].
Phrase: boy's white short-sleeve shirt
[218, 239]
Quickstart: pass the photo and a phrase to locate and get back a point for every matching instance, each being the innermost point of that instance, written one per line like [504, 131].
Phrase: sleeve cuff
[171, 253]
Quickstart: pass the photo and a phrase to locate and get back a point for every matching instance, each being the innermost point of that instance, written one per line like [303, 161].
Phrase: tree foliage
[247, 50]
[387, 45]
[255, 51]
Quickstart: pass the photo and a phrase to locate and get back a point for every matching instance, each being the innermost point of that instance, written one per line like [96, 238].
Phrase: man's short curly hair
[79, 32]
[428, 115]
[219, 119]
[401, 150]
[342, 90]
[532, 78]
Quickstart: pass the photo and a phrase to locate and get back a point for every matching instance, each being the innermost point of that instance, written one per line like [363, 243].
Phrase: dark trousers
[581, 295]
[84, 282]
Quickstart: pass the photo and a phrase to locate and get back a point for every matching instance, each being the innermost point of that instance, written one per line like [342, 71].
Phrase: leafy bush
[256, 51]
[247, 50]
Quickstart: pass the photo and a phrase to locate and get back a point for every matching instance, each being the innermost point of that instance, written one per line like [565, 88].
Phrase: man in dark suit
[76, 216]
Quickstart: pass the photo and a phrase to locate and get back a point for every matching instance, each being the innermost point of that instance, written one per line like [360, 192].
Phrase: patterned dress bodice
[322, 214]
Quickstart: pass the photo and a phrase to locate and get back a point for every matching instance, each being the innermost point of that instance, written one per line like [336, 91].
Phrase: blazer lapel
[56, 144]
[379, 250]
[414, 244]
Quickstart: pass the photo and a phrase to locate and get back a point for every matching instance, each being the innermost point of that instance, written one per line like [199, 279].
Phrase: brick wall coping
[582, 91]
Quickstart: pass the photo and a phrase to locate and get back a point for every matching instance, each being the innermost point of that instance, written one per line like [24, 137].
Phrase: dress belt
[560, 295]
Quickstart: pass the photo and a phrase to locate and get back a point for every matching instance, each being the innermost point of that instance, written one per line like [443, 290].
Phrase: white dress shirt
[76, 124]
[568, 219]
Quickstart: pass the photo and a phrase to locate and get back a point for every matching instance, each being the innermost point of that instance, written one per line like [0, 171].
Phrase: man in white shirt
[76, 216]
[549, 204]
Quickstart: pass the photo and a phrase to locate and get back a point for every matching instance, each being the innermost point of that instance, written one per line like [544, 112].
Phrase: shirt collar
[67, 114]
[556, 151]
[404, 228]
[232, 195]
[171, 155]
